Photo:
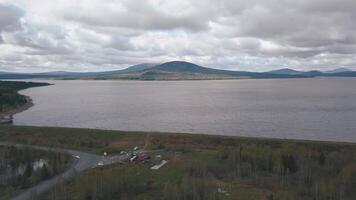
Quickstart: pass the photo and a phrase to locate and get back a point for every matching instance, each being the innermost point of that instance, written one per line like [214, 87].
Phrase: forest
[9, 98]
[23, 167]
[201, 166]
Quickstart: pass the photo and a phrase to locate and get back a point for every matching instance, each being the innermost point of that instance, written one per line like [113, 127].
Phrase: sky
[250, 35]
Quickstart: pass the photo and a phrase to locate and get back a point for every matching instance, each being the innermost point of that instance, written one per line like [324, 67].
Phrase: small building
[142, 157]
[157, 167]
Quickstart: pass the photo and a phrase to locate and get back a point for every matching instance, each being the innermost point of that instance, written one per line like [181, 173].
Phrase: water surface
[316, 109]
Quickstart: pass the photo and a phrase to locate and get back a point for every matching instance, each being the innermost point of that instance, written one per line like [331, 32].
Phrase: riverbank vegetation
[9, 98]
[23, 167]
[201, 166]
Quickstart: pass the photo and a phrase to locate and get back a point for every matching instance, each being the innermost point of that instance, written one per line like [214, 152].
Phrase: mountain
[182, 66]
[285, 71]
[55, 73]
[24, 76]
[139, 67]
[43, 75]
[338, 70]
[342, 74]
[9, 73]
[181, 70]
[313, 73]
[176, 70]
[185, 67]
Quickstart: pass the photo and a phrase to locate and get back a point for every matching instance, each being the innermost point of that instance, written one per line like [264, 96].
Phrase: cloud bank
[95, 35]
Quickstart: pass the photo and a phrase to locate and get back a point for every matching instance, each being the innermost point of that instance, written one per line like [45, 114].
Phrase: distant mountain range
[338, 70]
[178, 70]
[315, 72]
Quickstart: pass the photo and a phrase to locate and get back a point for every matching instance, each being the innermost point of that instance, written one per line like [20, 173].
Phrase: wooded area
[202, 166]
[21, 168]
[9, 98]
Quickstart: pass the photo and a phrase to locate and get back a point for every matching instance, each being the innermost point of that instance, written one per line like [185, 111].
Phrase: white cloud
[88, 35]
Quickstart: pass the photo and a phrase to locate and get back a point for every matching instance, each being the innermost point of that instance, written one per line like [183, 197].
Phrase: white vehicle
[100, 163]
[136, 148]
[133, 158]
[78, 157]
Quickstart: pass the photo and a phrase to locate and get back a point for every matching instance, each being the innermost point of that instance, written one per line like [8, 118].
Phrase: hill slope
[285, 71]
[338, 70]
[137, 68]
[178, 70]
[184, 67]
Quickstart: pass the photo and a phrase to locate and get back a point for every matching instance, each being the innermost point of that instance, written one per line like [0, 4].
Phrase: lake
[312, 109]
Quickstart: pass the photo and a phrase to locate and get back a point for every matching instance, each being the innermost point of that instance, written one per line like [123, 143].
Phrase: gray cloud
[245, 35]
[304, 24]
[136, 14]
[10, 16]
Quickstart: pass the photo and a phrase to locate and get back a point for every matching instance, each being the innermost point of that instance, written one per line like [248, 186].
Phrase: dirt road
[83, 161]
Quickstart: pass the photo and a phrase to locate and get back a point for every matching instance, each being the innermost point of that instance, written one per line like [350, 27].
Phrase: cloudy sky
[96, 35]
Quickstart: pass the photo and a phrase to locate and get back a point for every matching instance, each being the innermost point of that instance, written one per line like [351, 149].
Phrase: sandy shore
[6, 117]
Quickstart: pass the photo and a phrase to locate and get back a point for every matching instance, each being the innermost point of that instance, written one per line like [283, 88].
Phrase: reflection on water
[319, 108]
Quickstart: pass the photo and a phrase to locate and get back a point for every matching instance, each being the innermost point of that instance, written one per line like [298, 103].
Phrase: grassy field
[201, 166]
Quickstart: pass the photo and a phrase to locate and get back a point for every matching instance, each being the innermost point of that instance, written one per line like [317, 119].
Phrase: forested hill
[9, 98]
[179, 70]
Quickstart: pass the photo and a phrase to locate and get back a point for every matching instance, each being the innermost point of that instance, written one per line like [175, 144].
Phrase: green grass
[248, 168]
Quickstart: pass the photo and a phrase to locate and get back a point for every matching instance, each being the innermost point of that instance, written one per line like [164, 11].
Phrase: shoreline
[182, 134]
[7, 116]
